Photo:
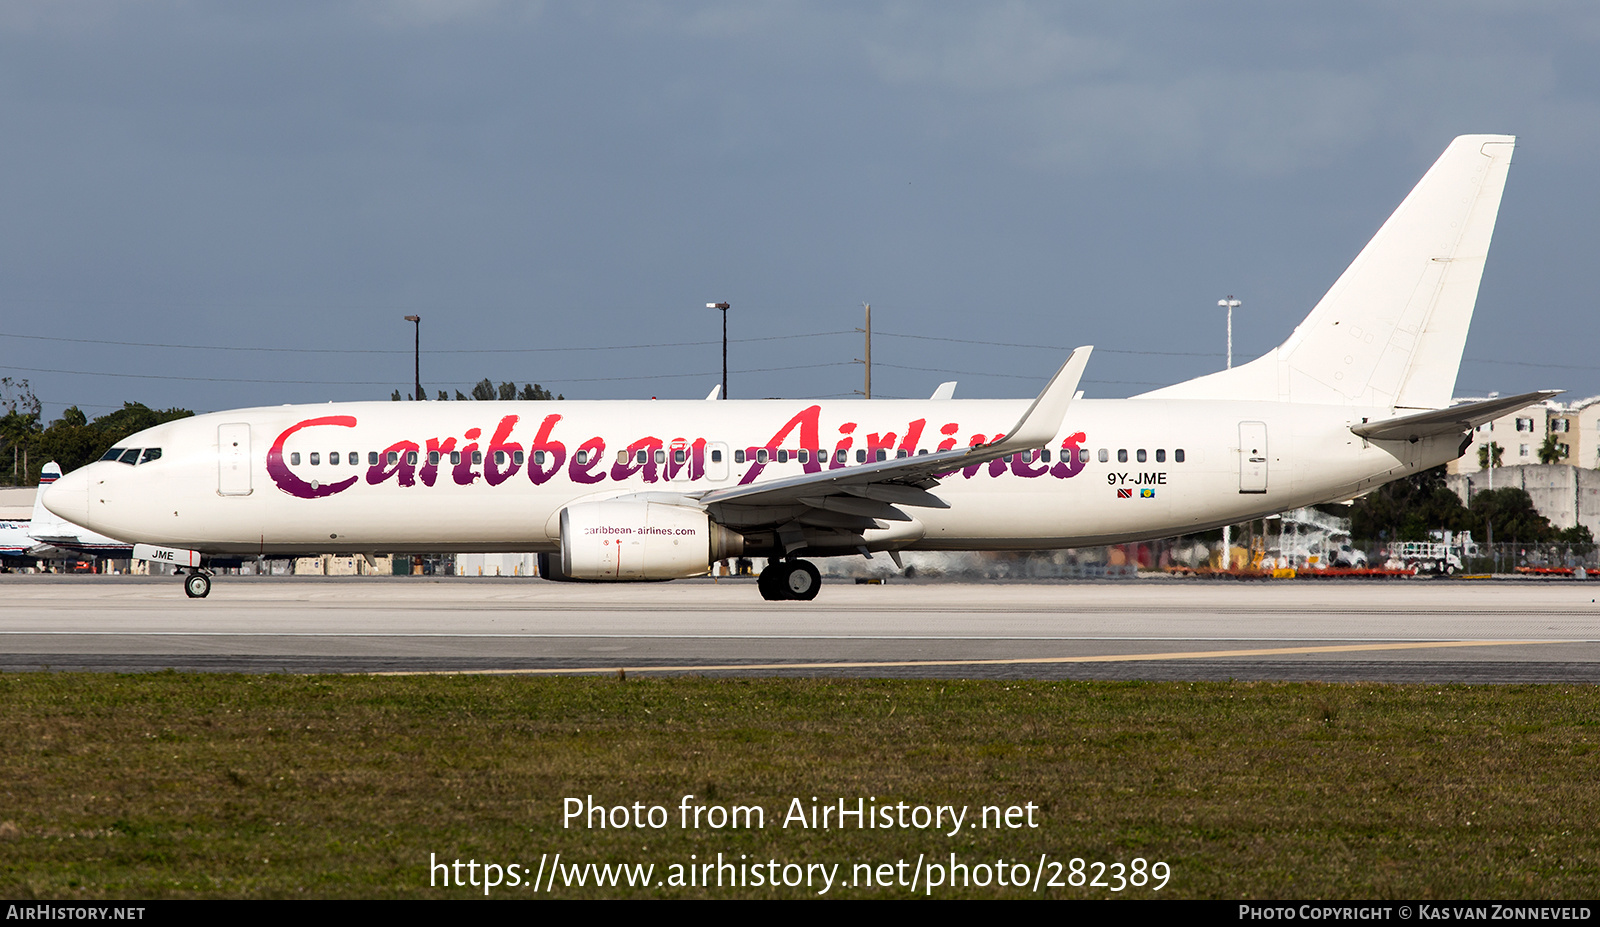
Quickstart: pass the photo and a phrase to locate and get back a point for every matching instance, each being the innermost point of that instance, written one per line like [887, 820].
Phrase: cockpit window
[150, 453]
[130, 456]
[113, 454]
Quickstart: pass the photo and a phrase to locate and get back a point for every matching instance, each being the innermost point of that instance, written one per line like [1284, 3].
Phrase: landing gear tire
[768, 581]
[789, 579]
[802, 582]
[197, 585]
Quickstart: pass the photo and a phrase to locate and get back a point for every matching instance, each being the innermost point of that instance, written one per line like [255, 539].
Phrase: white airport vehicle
[1357, 396]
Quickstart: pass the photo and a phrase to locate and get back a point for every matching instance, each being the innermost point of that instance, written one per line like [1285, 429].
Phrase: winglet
[1043, 419]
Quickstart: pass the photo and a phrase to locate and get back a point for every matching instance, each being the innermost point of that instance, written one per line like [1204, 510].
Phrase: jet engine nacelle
[624, 539]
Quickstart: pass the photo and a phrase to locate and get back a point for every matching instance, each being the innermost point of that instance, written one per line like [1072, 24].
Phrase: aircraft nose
[68, 497]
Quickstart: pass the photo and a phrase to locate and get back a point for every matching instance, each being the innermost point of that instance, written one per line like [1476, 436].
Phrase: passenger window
[411, 458]
[372, 458]
[783, 456]
[455, 458]
[841, 456]
[805, 456]
[1122, 455]
[1141, 455]
[1044, 455]
[477, 458]
[538, 457]
[394, 457]
[354, 458]
[900, 453]
[333, 458]
[316, 459]
[150, 453]
[761, 455]
[881, 455]
[516, 458]
[622, 457]
[679, 455]
[922, 452]
[643, 456]
[861, 456]
[294, 459]
[1103, 455]
[1083, 455]
[1177, 456]
[433, 458]
[130, 456]
[581, 458]
[1161, 455]
[716, 456]
[738, 456]
[661, 457]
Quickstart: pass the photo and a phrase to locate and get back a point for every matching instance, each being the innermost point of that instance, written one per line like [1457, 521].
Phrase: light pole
[724, 308]
[1229, 304]
[416, 355]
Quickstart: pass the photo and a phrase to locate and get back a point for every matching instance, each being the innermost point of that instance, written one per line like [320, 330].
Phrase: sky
[216, 205]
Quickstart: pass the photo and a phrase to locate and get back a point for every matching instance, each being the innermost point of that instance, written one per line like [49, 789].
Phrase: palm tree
[1483, 455]
[1550, 451]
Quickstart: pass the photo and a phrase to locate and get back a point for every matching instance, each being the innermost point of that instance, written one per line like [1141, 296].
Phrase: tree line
[1406, 510]
[26, 444]
[486, 391]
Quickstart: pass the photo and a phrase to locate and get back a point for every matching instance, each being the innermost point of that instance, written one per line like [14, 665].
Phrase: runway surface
[1395, 631]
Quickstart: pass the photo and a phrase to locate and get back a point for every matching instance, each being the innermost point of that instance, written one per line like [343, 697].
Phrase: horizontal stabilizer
[1451, 421]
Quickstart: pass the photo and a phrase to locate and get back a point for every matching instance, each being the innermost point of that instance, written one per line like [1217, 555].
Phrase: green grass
[171, 785]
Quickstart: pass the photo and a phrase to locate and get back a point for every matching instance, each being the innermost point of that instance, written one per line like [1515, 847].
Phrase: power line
[154, 376]
[226, 347]
[1048, 347]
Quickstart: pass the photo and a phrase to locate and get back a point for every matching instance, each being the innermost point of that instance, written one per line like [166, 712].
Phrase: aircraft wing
[1451, 421]
[863, 496]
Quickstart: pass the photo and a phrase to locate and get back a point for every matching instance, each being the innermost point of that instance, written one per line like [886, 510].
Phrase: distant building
[1520, 434]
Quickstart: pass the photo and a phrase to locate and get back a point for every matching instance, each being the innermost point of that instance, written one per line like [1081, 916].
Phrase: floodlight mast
[724, 307]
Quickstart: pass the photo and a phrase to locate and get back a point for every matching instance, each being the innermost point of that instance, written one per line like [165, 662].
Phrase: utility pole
[868, 362]
[416, 355]
[724, 307]
[1229, 304]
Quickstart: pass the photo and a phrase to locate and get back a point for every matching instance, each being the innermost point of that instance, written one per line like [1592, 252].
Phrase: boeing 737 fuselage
[1359, 395]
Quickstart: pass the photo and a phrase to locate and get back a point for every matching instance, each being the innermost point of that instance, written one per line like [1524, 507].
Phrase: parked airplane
[58, 539]
[1356, 397]
[47, 537]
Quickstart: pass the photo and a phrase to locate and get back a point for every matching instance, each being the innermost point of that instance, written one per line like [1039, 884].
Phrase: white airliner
[617, 490]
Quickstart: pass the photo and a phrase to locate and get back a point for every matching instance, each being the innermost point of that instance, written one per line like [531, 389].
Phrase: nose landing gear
[789, 579]
[197, 585]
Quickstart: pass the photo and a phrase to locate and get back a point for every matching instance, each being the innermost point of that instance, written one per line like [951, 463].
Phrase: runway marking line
[1010, 661]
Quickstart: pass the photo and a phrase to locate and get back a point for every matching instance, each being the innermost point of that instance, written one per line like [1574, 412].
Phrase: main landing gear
[789, 579]
[196, 585]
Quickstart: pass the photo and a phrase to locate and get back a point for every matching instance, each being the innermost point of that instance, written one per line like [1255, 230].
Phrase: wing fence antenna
[715, 391]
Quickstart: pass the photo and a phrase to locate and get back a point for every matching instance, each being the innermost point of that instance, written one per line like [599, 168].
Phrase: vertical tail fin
[44, 521]
[1391, 330]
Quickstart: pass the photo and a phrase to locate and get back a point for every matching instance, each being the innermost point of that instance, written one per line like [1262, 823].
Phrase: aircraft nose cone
[68, 498]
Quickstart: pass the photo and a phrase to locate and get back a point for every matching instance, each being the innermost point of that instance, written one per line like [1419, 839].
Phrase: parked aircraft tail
[1391, 330]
